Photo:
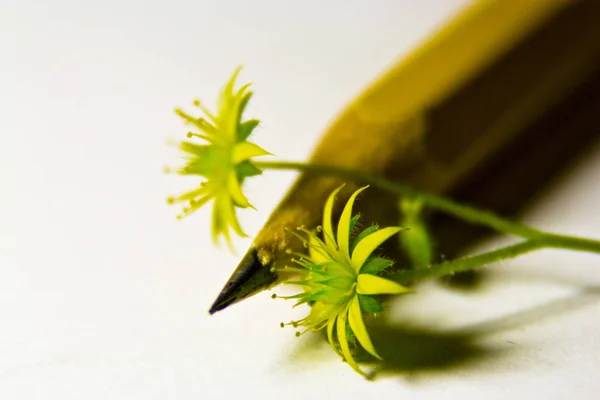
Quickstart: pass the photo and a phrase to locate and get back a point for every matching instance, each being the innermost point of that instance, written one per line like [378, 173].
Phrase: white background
[104, 295]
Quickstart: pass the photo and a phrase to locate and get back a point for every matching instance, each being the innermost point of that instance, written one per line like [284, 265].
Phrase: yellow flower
[224, 160]
[340, 279]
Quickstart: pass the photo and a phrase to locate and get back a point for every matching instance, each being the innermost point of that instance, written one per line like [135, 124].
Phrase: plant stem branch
[480, 260]
[464, 212]
[466, 263]
[570, 243]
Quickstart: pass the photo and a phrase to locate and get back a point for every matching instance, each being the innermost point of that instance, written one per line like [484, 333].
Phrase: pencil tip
[249, 278]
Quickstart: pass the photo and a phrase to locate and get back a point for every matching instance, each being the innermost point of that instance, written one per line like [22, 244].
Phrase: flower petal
[218, 225]
[365, 247]
[327, 226]
[221, 221]
[343, 231]
[245, 150]
[231, 219]
[341, 334]
[241, 93]
[243, 99]
[227, 91]
[235, 191]
[316, 250]
[330, 326]
[371, 284]
[228, 109]
[358, 327]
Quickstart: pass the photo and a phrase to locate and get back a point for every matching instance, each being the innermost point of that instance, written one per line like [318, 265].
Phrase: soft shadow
[406, 350]
[584, 297]
[411, 351]
[416, 351]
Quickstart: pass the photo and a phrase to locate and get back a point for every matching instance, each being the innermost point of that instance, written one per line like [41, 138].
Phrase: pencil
[468, 114]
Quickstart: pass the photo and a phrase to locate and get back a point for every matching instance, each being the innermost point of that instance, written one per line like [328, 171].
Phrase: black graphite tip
[250, 277]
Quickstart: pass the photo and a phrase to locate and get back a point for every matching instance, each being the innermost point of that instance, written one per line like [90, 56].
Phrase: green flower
[224, 160]
[340, 279]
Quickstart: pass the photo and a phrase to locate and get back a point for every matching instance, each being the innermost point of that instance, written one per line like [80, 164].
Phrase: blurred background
[104, 294]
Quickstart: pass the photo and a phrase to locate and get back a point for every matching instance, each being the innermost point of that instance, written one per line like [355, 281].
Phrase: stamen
[296, 296]
[297, 283]
[200, 136]
[321, 325]
[300, 302]
[303, 263]
[205, 110]
[303, 240]
[314, 327]
[292, 269]
[293, 324]
[295, 253]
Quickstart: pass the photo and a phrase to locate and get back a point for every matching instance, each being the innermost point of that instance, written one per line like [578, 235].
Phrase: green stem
[512, 251]
[570, 243]
[464, 212]
[466, 263]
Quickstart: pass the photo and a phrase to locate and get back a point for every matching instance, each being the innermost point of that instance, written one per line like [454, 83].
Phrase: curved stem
[464, 212]
[480, 260]
[466, 263]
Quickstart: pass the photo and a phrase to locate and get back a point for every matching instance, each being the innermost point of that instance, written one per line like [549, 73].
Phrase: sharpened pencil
[471, 113]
